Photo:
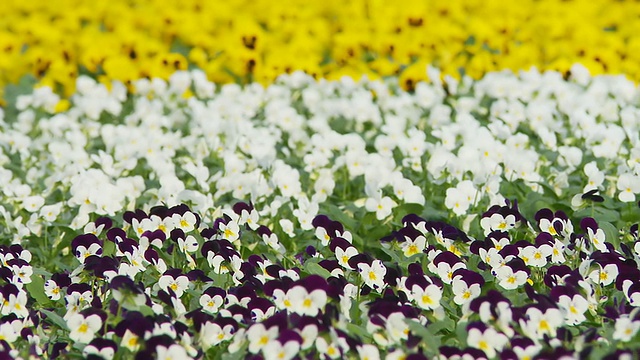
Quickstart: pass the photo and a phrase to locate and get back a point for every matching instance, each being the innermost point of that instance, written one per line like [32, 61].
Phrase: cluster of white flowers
[299, 142]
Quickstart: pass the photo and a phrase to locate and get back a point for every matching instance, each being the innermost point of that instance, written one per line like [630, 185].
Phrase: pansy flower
[127, 293]
[541, 321]
[535, 256]
[213, 333]
[556, 224]
[173, 279]
[497, 222]
[247, 215]
[373, 274]
[97, 227]
[85, 325]
[513, 275]
[626, 328]
[344, 251]
[485, 338]
[212, 299]
[445, 264]
[229, 230]
[594, 234]
[53, 288]
[466, 286]
[283, 348]
[186, 222]
[327, 229]
[411, 246]
[259, 336]
[100, 347]
[86, 245]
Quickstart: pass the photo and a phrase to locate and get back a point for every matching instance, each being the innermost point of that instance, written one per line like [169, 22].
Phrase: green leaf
[600, 214]
[36, 289]
[405, 209]
[108, 248]
[461, 332]
[446, 324]
[336, 214]
[359, 331]
[611, 233]
[314, 269]
[55, 319]
[429, 339]
[392, 254]
[240, 354]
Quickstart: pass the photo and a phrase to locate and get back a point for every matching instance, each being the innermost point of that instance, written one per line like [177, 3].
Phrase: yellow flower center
[83, 328]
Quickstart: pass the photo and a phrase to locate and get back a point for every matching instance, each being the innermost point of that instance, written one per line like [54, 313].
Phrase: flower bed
[480, 218]
[56, 40]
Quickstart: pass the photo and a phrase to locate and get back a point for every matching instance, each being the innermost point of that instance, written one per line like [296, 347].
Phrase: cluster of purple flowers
[166, 285]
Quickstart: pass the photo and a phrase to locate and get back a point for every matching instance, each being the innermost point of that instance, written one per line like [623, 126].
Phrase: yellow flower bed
[256, 40]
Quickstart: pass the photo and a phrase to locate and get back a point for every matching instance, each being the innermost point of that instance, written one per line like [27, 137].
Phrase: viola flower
[185, 222]
[269, 238]
[79, 297]
[327, 229]
[540, 323]
[573, 308]
[259, 337]
[247, 215]
[306, 303]
[427, 298]
[101, 224]
[86, 245]
[466, 286]
[172, 279]
[344, 255]
[230, 231]
[212, 299]
[330, 349]
[497, 222]
[10, 329]
[510, 278]
[629, 185]
[368, 352]
[557, 224]
[525, 348]
[276, 350]
[83, 329]
[535, 256]
[604, 275]
[625, 328]
[100, 347]
[53, 290]
[165, 224]
[459, 198]
[499, 239]
[486, 339]
[373, 274]
[594, 234]
[445, 264]
[413, 246]
[186, 243]
[212, 334]
[127, 293]
[382, 205]
[396, 328]
[21, 270]
[174, 351]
